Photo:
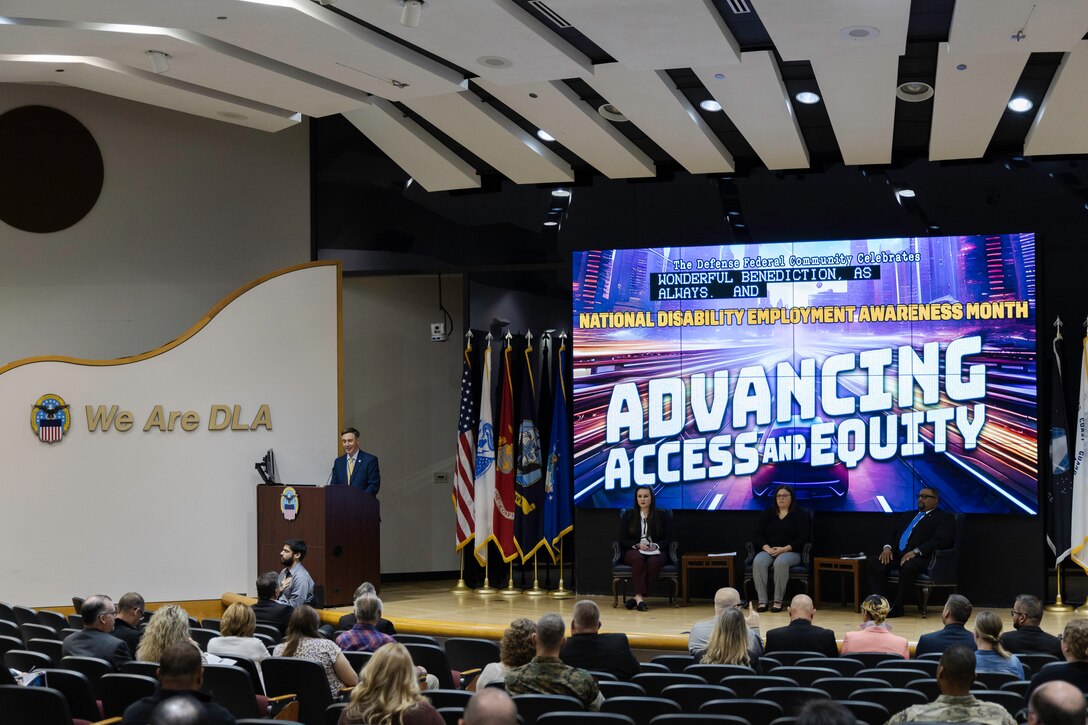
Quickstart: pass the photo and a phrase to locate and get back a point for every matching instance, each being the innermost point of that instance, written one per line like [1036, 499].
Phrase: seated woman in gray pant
[780, 535]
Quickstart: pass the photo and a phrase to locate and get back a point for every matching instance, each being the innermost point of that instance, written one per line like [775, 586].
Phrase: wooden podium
[340, 525]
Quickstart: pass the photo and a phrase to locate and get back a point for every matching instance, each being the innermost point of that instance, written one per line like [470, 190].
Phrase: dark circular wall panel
[50, 169]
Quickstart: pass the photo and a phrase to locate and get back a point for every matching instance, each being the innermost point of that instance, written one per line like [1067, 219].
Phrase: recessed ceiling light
[551, 224]
[961, 66]
[859, 32]
[561, 192]
[807, 97]
[914, 91]
[494, 61]
[906, 193]
[710, 105]
[607, 110]
[544, 135]
[1020, 104]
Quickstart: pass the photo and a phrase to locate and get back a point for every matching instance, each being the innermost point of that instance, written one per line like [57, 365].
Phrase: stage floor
[428, 608]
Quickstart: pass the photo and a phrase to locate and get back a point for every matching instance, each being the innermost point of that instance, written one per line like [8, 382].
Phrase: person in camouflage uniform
[547, 675]
[955, 674]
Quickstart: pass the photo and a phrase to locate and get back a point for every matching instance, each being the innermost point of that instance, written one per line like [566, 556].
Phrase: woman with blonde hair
[236, 638]
[388, 692]
[515, 649]
[728, 643]
[990, 656]
[303, 640]
[875, 636]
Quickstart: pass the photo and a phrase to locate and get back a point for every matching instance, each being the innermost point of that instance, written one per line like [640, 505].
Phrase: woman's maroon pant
[644, 569]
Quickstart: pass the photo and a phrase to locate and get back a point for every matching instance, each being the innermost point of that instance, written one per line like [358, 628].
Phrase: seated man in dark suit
[181, 674]
[267, 609]
[348, 620]
[588, 649]
[908, 546]
[95, 640]
[1027, 636]
[957, 610]
[130, 611]
[801, 635]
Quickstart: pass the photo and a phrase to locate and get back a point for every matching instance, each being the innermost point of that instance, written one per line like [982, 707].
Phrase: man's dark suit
[95, 643]
[365, 475]
[609, 653]
[1030, 638]
[801, 635]
[124, 631]
[935, 530]
[269, 611]
[942, 639]
[384, 625]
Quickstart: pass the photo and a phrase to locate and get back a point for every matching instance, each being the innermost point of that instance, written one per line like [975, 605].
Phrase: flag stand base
[486, 589]
[1082, 609]
[510, 590]
[460, 588]
[561, 593]
[536, 591]
[1058, 605]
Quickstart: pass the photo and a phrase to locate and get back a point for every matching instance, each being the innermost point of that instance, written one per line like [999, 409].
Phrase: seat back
[994, 680]
[212, 624]
[448, 698]
[621, 689]
[675, 663]
[118, 690]
[872, 659]
[203, 636]
[844, 666]
[358, 660]
[655, 682]
[804, 676]
[927, 687]
[470, 653]
[841, 688]
[77, 690]
[304, 678]
[74, 621]
[685, 718]
[640, 709]
[893, 698]
[416, 639]
[33, 706]
[232, 688]
[652, 667]
[53, 620]
[92, 667]
[450, 715]
[253, 670]
[270, 630]
[746, 686]
[869, 712]
[7, 614]
[751, 709]
[432, 658]
[531, 706]
[568, 717]
[691, 697]
[33, 630]
[138, 667]
[332, 713]
[716, 673]
[789, 658]
[1013, 702]
[10, 629]
[51, 648]
[25, 660]
[25, 615]
[927, 666]
[894, 677]
[9, 643]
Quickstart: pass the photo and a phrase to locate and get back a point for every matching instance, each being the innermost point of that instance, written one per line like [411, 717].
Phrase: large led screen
[856, 371]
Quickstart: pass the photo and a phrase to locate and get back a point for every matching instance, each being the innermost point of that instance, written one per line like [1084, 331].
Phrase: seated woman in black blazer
[644, 541]
[780, 535]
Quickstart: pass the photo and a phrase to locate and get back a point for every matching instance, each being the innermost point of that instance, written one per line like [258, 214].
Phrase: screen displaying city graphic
[855, 371]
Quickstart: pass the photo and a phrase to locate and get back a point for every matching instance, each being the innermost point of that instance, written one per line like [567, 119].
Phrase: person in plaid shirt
[364, 636]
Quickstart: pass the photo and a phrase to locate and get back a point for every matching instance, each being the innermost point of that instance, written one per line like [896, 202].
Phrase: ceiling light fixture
[544, 135]
[914, 91]
[906, 193]
[412, 12]
[607, 110]
[160, 61]
[1021, 105]
[551, 223]
[710, 105]
[859, 32]
[561, 192]
[807, 98]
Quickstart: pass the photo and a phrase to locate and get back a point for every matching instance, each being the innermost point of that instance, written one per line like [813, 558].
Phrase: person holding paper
[644, 539]
[782, 532]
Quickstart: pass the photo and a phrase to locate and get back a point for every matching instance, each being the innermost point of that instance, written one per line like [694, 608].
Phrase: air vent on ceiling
[558, 20]
[739, 7]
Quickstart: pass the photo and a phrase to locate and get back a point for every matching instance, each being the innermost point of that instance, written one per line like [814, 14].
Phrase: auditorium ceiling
[460, 98]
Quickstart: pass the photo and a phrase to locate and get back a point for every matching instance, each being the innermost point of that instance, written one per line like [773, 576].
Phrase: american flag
[464, 467]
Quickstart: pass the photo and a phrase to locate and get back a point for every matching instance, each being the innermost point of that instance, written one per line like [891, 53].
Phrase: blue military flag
[558, 486]
[529, 476]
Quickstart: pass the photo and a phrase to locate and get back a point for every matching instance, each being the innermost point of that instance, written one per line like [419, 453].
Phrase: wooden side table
[704, 561]
[840, 566]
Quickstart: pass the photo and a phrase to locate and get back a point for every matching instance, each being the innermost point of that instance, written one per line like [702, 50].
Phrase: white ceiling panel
[988, 26]
[818, 28]
[107, 77]
[968, 103]
[478, 35]
[757, 102]
[411, 147]
[859, 93]
[481, 129]
[631, 31]
[558, 110]
[652, 102]
[1059, 124]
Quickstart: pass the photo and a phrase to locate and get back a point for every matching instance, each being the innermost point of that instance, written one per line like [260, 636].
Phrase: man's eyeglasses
[926, 495]
[1015, 613]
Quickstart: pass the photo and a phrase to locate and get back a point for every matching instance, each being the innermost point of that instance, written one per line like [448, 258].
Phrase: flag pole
[1058, 605]
[561, 592]
[461, 588]
[510, 590]
[536, 591]
[486, 589]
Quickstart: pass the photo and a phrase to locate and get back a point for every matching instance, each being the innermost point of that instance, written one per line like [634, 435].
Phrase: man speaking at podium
[356, 467]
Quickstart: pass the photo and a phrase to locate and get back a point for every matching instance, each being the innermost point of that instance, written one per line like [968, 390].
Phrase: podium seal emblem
[289, 503]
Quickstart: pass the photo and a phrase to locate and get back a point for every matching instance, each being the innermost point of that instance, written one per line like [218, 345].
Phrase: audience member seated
[724, 598]
[180, 710]
[348, 620]
[388, 692]
[181, 674]
[644, 543]
[236, 635]
[295, 586]
[589, 649]
[1056, 703]
[95, 640]
[991, 656]
[168, 626]
[728, 643]
[517, 648]
[874, 635]
[1075, 651]
[267, 609]
[303, 641]
[955, 675]
[956, 612]
[547, 675]
[781, 533]
[490, 706]
[825, 712]
[1027, 637]
[801, 635]
[130, 612]
[364, 635]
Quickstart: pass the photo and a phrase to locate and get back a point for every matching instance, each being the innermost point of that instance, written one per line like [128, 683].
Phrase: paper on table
[726, 553]
[860, 556]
